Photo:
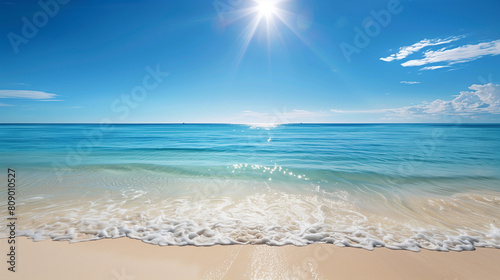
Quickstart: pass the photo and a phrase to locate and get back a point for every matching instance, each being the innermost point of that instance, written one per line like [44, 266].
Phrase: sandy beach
[127, 259]
[259, 139]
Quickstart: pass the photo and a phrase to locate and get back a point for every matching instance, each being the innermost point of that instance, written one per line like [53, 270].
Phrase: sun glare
[266, 8]
[268, 16]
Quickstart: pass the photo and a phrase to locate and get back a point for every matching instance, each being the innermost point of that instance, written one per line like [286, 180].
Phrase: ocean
[400, 186]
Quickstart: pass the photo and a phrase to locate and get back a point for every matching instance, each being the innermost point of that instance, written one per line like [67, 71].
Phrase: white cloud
[410, 82]
[4, 105]
[359, 111]
[480, 102]
[28, 94]
[482, 99]
[457, 55]
[434, 67]
[408, 50]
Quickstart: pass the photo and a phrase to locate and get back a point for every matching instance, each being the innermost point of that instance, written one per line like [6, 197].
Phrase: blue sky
[245, 61]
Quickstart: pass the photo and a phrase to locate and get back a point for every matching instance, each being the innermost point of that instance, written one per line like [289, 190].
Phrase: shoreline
[125, 258]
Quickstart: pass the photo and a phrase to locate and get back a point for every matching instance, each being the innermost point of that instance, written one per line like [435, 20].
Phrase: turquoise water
[402, 186]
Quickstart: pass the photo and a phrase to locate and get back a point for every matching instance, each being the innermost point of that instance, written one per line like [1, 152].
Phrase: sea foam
[269, 217]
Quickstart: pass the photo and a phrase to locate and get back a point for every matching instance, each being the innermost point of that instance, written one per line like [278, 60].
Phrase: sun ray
[269, 14]
[248, 36]
[262, 10]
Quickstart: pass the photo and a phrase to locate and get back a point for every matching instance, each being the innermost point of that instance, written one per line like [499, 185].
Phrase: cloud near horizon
[480, 101]
[282, 117]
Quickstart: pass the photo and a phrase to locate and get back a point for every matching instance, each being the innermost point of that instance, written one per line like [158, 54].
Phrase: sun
[266, 8]
[268, 16]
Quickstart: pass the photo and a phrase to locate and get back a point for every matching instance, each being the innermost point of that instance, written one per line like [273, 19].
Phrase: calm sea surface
[402, 186]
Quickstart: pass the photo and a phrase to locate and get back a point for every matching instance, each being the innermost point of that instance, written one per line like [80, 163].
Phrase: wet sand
[127, 259]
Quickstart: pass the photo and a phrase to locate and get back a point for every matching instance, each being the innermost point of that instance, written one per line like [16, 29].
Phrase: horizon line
[223, 123]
